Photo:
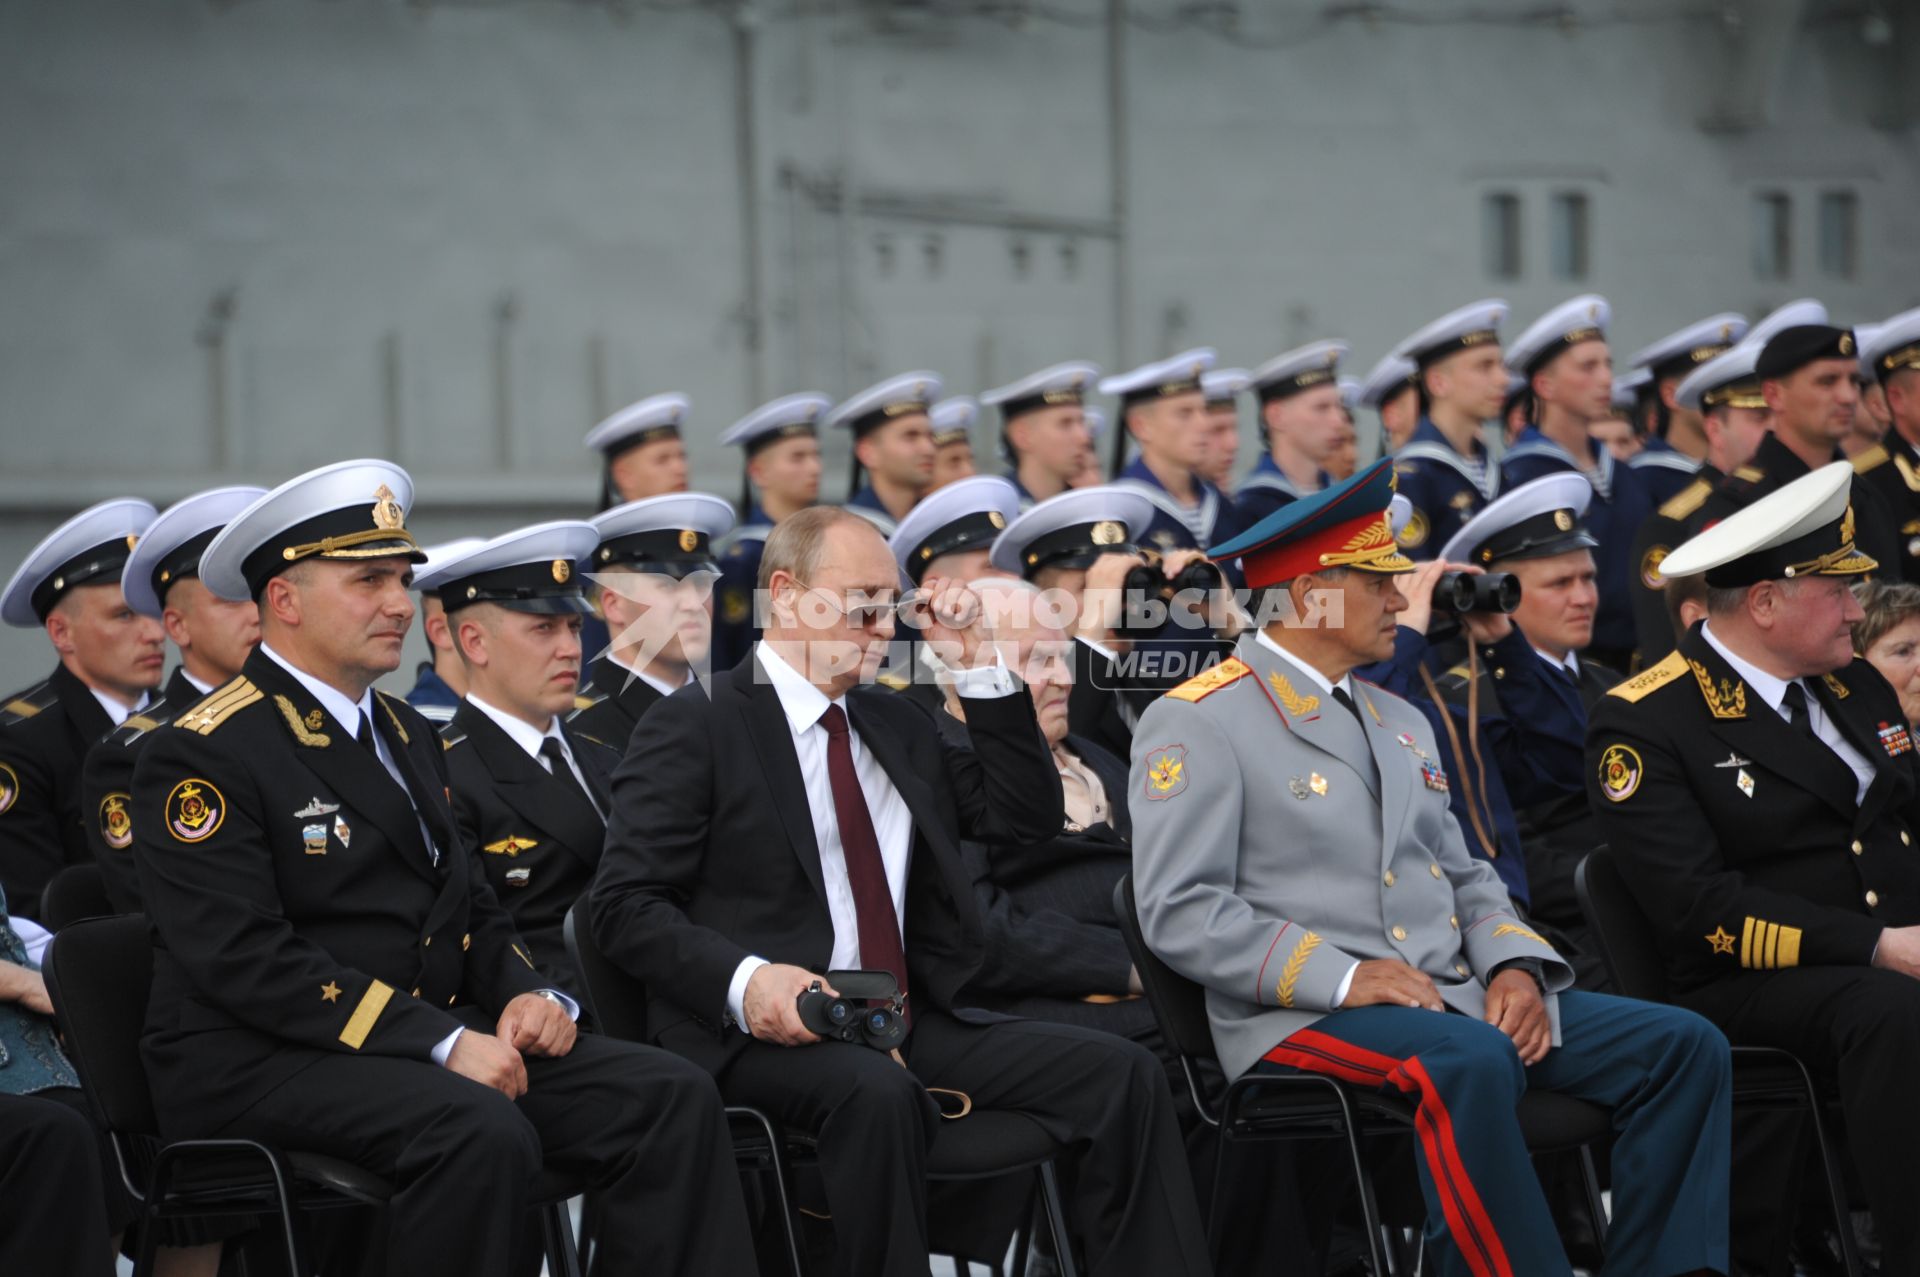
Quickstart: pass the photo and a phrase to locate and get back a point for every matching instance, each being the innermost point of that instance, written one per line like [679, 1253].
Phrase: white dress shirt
[804, 704]
[1772, 689]
[1570, 662]
[659, 685]
[119, 711]
[531, 738]
[349, 714]
[203, 688]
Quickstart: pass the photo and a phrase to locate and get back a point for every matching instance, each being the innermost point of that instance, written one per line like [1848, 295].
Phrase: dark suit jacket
[296, 904]
[45, 732]
[106, 790]
[533, 836]
[1741, 838]
[611, 703]
[711, 856]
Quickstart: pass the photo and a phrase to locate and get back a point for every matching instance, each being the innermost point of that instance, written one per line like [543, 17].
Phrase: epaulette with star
[1207, 682]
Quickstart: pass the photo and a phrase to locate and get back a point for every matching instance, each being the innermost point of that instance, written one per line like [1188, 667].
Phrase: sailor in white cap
[1163, 411]
[1891, 468]
[1569, 373]
[213, 635]
[528, 791]
[1756, 791]
[110, 660]
[952, 421]
[949, 536]
[1871, 423]
[1668, 361]
[332, 967]
[441, 680]
[892, 446]
[1044, 427]
[1443, 467]
[1391, 389]
[642, 448]
[1223, 388]
[1301, 422]
[781, 441]
[652, 572]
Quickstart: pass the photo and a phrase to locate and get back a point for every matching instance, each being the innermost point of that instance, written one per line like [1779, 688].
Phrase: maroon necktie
[880, 948]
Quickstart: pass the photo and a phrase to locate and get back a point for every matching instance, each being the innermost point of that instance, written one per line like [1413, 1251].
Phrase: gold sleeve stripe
[1514, 929]
[1296, 962]
[523, 956]
[360, 1023]
[1768, 946]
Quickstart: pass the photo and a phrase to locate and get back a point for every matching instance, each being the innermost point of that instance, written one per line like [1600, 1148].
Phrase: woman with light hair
[1889, 637]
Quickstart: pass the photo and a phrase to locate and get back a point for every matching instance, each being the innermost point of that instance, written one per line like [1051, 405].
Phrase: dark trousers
[1103, 1097]
[1664, 1073]
[641, 1127]
[52, 1205]
[1858, 1027]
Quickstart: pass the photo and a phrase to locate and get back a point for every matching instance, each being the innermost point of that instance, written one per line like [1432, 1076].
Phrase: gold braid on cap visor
[355, 545]
[1372, 549]
[1845, 561]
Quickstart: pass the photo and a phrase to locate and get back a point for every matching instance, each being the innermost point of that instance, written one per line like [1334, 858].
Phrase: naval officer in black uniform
[333, 975]
[162, 580]
[528, 794]
[1759, 787]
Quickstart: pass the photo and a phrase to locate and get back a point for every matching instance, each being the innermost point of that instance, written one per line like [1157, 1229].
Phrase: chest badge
[342, 831]
[314, 808]
[1895, 739]
[1744, 782]
[519, 877]
[314, 839]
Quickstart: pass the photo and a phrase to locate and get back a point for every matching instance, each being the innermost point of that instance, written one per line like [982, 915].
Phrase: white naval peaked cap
[348, 510]
[781, 418]
[952, 419]
[1387, 378]
[1794, 314]
[1162, 378]
[1399, 514]
[426, 577]
[1057, 384]
[531, 569]
[1727, 378]
[652, 419]
[1073, 528]
[171, 546]
[1349, 393]
[1687, 348]
[1802, 529]
[1541, 517]
[1863, 336]
[968, 514]
[1477, 324]
[1225, 385]
[1894, 345]
[671, 534]
[1628, 385]
[1576, 320]
[1302, 368]
[906, 395]
[91, 548]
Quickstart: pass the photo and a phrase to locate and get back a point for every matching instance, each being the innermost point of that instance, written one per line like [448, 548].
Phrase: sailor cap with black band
[1051, 387]
[909, 394]
[1073, 529]
[534, 569]
[1629, 387]
[1224, 386]
[1791, 349]
[1455, 331]
[1804, 310]
[1540, 518]
[1394, 374]
[1571, 323]
[1726, 380]
[652, 419]
[788, 417]
[171, 547]
[672, 535]
[952, 420]
[1895, 345]
[1346, 525]
[427, 578]
[1803, 529]
[350, 510]
[1300, 369]
[1684, 349]
[1864, 335]
[968, 514]
[91, 548]
[1161, 379]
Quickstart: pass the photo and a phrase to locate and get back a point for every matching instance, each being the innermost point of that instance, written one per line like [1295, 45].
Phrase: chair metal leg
[1596, 1204]
[1057, 1220]
[777, 1168]
[563, 1258]
[1836, 1187]
[1382, 1256]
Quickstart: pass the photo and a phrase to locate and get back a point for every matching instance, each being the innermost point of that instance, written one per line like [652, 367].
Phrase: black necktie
[556, 758]
[1794, 701]
[1340, 694]
[365, 736]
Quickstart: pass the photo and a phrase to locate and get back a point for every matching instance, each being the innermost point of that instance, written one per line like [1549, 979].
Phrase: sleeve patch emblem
[1620, 772]
[116, 826]
[194, 810]
[1166, 772]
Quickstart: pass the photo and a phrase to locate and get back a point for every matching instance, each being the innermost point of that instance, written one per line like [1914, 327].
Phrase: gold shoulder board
[892, 681]
[1670, 668]
[1683, 503]
[219, 705]
[1204, 684]
[1749, 474]
[1872, 458]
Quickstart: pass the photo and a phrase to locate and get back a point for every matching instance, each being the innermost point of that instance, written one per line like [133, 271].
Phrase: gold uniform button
[466, 942]
[427, 943]
[1857, 848]
[1463, 968]
[1388, 878]
[1454, 922]
[1434, 869]
[451, 997]
[1399, 933]
[416, 991]
[1500, 673]
[1873, 899]
[1906, 839]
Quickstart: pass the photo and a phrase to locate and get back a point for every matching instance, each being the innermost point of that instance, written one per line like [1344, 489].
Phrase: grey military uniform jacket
[1277, 842]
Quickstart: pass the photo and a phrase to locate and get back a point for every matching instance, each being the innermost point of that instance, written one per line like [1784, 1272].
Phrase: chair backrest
[1628, 942]
[1179, 1005]
[76, 892]
[617, 1000]
[98, 972]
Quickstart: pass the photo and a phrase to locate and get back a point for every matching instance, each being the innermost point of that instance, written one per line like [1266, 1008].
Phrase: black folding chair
[982, 1145]
[76, 892]
[1263, 1106]
[1764, 1077]
[98, 973]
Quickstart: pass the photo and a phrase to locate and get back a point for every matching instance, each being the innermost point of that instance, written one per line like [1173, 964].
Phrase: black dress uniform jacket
[296, 900]
[45, 732]
[538, 840]
[1739, 836]
[613, 700]
[1676, 520]
[1892, 470]
[106, 790]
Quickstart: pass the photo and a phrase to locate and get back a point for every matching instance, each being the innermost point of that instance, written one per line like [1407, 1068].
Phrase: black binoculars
[868, 1009]
[1469, 592]
[1147, 582]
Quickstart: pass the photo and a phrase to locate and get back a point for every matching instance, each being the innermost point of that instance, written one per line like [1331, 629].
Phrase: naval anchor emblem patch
[194, 810]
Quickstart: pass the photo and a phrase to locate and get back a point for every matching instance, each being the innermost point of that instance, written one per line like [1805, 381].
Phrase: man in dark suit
[1760, 790]
[794, 822]
[528, 794]
[333, 975]
[111, 659]
[653, 572]
[162, 580]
